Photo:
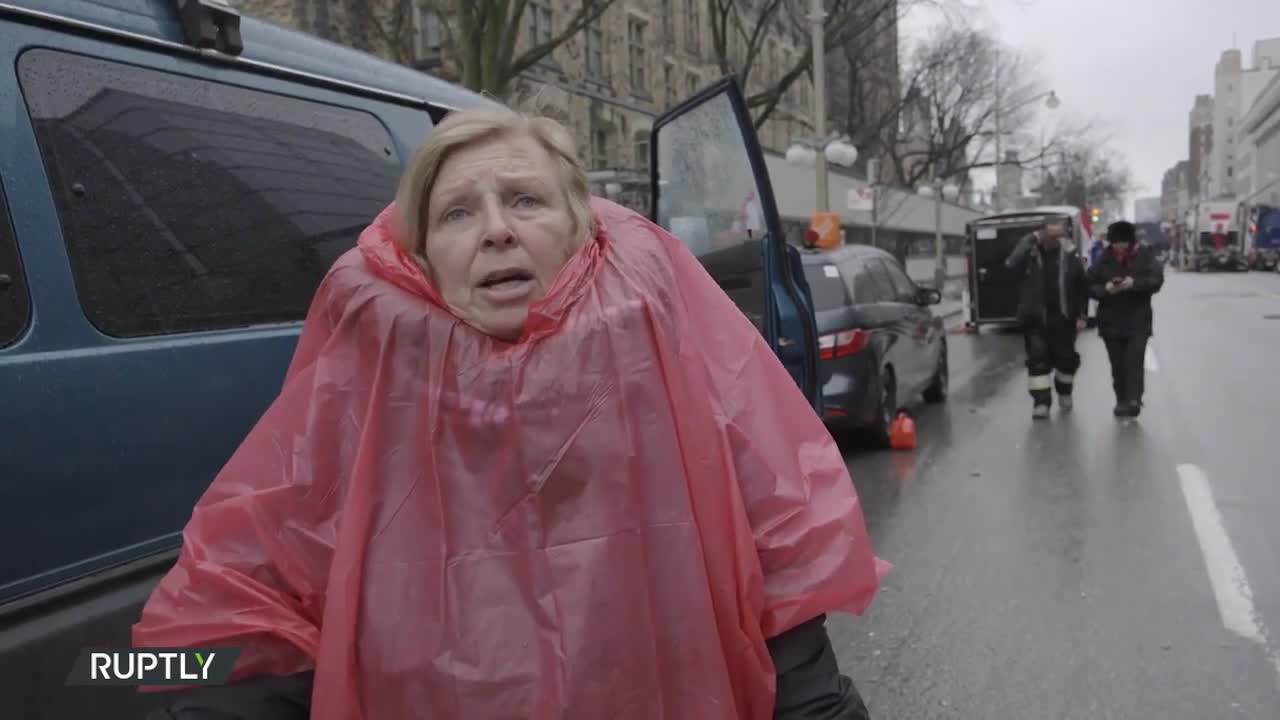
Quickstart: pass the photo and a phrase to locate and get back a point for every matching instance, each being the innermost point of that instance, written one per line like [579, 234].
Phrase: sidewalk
[949, 310]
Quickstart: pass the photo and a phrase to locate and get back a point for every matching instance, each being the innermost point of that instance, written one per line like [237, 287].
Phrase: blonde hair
[463, 128]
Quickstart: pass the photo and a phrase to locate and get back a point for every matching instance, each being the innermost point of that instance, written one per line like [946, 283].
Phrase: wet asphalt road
[1080, 567]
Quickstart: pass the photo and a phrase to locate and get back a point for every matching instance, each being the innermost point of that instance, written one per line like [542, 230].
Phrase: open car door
[710, 188]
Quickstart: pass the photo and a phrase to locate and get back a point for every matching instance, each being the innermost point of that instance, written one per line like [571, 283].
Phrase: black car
[880, 346]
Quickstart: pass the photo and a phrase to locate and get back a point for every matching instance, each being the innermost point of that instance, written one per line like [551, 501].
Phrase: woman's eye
[526, 201]
[454, 215]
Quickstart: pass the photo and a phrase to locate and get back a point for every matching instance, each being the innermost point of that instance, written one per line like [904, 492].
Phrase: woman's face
[499, 231]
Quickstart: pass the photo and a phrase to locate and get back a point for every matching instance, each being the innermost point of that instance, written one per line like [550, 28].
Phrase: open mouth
[500, 279]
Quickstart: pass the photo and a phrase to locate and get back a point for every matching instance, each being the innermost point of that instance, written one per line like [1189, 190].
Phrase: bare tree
[954, 87]
[1088, 173]
[741, 28]
[481, 37]
[943, 126]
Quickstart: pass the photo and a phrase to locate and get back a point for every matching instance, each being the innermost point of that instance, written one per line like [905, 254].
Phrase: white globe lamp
[801, 155]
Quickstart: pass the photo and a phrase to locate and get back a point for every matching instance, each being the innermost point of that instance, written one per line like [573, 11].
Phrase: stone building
[607, 83]
[864, 88]
[1199, 140]
[1236, 88]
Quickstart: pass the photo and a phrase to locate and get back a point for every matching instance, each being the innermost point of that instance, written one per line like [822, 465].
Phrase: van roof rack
[211, 25]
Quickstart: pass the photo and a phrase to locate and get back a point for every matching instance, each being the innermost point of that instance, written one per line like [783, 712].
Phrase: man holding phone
[1123, 281]
[1052, 309]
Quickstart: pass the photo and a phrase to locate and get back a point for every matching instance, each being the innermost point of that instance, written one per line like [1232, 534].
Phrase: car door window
[884, 291]
[903, 288]
[708, 199]
[191, 205]
[711, 189]
[15, 302]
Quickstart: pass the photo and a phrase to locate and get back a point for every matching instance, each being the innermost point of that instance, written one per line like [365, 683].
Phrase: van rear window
[190, 205]
[828, 287]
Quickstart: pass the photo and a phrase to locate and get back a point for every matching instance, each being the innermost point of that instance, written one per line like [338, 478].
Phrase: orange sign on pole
[827, 227]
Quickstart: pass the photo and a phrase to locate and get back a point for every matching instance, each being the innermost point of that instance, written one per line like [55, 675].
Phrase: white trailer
[1218, 243]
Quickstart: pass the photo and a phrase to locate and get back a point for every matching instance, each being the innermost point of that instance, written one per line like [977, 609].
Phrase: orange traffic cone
[902, 433]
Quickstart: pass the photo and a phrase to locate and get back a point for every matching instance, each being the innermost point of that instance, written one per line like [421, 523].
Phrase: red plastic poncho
[605, 519]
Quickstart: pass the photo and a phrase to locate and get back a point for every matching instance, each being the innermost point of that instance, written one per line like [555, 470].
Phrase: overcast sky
[1134, 65]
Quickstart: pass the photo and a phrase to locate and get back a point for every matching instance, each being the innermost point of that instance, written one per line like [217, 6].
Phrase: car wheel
[886, 410]
[937, 390]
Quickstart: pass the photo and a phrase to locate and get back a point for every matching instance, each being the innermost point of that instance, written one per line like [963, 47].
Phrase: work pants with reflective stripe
[1052, 360]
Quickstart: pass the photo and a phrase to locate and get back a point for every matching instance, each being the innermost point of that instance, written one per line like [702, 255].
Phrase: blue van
[174, 183]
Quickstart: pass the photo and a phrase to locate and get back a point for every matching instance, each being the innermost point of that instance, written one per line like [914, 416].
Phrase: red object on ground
[606, 518]
[902, 433]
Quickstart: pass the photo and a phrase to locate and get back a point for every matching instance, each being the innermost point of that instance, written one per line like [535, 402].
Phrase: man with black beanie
[1053, 307]
[1123, 281]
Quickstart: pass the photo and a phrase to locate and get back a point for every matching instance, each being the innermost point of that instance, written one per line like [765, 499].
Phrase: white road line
[1149, 360]
[1226, 575]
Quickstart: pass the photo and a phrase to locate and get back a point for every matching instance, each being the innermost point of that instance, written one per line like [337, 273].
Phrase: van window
[880, 277]
[903, 288]
[15, 303]
[828, 288]
[190, 205]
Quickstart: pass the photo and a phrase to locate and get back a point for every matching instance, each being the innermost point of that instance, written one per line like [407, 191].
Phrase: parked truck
[1264, 237]
[1218, 243]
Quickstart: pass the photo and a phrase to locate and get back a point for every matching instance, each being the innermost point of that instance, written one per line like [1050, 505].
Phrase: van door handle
[982, 271]
[785, 342]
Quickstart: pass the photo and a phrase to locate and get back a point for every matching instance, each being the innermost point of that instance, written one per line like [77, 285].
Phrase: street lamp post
[940, 191]
[817, 18]
[823, 148]
[1051, 102]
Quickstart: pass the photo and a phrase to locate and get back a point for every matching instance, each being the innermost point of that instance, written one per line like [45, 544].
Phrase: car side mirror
[928, 296]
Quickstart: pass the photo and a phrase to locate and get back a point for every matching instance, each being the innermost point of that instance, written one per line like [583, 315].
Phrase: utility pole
[999, 204]
[817, 16]
[873, 180]
[939, 246]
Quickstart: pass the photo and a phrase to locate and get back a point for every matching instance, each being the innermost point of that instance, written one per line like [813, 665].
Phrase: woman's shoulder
[637, 233]
[354, 287]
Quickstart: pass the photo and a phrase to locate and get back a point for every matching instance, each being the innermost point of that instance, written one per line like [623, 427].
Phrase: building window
[692, 83]
[692, 29]
[637, 29]
[595, 51]
[600, 149]
[427, 36]
[772, 70]
[539, 22]
[642, 151]
[787, 59]
[668, 21]
[669, 81]
[188, 205]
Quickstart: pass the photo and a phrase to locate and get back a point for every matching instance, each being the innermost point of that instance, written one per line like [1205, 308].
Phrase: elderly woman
[528, 462]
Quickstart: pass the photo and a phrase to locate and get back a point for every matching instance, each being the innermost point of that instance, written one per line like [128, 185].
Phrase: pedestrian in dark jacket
[1123, 281]
[1052, 309]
